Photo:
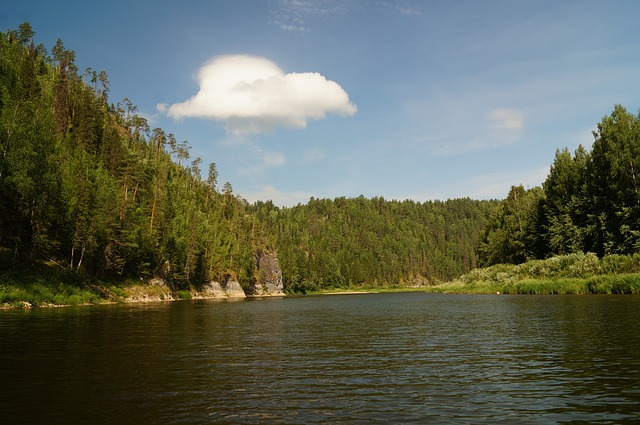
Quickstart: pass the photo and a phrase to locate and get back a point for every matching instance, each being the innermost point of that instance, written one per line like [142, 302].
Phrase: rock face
[269, 276]
[233, 289]
[211, 290]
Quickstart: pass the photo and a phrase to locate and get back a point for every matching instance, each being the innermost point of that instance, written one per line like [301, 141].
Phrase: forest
[90, 192]
[589, 202]
[90, 196]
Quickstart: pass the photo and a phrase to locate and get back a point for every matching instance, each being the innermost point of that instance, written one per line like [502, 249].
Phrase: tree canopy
[86, 186]
[589, 202]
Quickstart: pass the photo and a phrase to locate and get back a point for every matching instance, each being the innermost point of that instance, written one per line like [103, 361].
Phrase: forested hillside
[590, 202]
[347, 242]
[90, 192]
[87, 186]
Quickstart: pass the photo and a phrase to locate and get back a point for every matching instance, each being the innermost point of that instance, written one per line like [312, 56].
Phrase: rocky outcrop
[269, 281]
[216, 290]
[233, 289]
[210, 290]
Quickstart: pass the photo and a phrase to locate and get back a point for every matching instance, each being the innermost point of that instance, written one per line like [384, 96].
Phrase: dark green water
[393, 358]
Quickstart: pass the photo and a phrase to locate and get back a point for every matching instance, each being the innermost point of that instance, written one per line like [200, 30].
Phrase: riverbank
[601, 284]
[56, 290]
[39, 295]
[569, 274]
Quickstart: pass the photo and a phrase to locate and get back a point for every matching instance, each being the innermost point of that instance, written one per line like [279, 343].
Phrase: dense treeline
[354, 242]
[89, 189]
[590, 202]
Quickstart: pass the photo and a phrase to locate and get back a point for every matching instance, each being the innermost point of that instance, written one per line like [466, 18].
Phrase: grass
[568, 274]
[615, 284]
[41, 292]
[600, 284]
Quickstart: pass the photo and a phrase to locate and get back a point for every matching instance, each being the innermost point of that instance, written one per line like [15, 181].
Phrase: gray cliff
[269, 281]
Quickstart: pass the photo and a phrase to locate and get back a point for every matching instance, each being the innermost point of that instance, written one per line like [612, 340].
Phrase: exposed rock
[211, 290]
[269, 280]
[233, 289]
[156, 289]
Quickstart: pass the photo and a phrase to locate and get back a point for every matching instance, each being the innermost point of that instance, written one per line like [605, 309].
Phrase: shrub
[615, 284]
[184, 295]
[612, 264]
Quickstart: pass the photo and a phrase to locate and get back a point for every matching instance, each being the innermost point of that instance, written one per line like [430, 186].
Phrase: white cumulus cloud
[251, 94]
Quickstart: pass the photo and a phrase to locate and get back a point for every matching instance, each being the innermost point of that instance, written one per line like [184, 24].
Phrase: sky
[421, 100]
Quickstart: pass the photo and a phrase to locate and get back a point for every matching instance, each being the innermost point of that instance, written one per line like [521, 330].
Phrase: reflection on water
[358, 358]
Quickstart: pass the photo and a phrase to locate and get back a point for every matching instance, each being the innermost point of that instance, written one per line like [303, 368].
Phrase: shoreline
[24, 297]
[350, 292]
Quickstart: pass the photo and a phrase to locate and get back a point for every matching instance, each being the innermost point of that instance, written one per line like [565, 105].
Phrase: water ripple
[400, 358]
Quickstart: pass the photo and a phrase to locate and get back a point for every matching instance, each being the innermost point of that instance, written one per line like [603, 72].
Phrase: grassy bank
[602, 284]
[568, 274]
[44, 291]
[45, 286]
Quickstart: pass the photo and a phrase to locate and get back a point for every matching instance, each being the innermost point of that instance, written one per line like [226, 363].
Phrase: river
[392, 358]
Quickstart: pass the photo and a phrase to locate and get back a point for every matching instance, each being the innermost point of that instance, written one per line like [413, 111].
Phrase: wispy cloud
[505, 119]
[257, 160]
[486, 186]
[407, 8]
[253, 95]
[294, 16]
[274, 159]
[298, 29]
[312, 155]
[458, 123]
[299, 16]
[497, 185]
[277, 196]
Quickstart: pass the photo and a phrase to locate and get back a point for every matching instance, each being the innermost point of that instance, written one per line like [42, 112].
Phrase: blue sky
[401, 99]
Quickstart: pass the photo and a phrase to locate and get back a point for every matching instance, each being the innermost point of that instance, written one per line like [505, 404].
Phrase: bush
[612, 264]
[615, 284]
[184, 295]
[555, 286]
[577, 273]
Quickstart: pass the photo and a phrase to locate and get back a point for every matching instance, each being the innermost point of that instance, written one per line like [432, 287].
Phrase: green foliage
[615, 284]
[567, 274]
[590, 202]
[355, 243]
[510, 236]
[89, 190]
[564, 201]
[86, 186]
[40, 291]
[184, 294]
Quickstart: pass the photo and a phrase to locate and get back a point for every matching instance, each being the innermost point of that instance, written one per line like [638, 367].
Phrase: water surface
[401, 358]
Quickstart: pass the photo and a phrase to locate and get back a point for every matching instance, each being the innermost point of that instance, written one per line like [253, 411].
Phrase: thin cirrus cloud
[277, 196]
[251, 95]
[294, 16]
[505, 119]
